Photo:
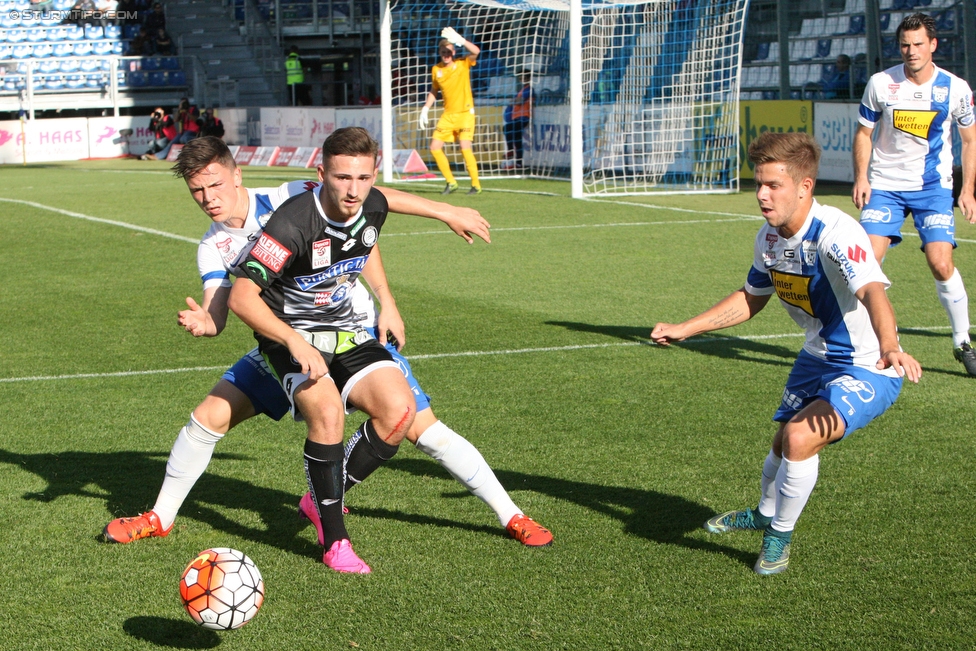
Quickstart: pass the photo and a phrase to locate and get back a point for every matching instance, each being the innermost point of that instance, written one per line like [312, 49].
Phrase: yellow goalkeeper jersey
[454, 82]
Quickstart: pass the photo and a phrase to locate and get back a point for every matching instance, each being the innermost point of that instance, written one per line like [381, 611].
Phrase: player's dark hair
[348, 141]
[799, 152]
[200, 152]
[915, 22]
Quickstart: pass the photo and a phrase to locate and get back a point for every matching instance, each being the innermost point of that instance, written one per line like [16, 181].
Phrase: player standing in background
[248, 388]
[452, 77]
[908, 167]
[851, 367]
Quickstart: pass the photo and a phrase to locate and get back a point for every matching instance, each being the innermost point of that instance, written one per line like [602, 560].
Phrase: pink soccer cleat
[307, 510]
[342, 558]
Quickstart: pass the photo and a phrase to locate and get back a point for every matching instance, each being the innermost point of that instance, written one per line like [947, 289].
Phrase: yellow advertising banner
[759, 116]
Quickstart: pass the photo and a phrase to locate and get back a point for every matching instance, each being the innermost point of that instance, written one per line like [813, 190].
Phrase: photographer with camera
[163, 128]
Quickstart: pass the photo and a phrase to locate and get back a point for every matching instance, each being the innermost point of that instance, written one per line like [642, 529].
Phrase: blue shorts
[931, 210]
[856, 393]
[252, 376]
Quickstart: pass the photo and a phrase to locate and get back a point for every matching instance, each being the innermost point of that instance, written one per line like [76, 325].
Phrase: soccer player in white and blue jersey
[908, 166]
[816, 260]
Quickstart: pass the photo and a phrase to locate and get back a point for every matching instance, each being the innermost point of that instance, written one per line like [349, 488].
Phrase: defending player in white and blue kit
[249, 388]
[816, 260]
[908, 166]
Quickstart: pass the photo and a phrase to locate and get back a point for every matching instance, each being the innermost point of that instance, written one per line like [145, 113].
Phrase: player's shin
[443, 165]
[471, 164]
[952, 295]
[188, 459]
[794, 484]
[323, 468]
[767, 501]
[364, 453]
[466, 464]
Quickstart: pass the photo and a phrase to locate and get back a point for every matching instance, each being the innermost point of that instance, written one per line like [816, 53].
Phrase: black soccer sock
[365, 452]
[323, 467]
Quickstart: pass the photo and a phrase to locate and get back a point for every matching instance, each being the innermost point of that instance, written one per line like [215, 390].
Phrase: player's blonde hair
[799, 152]
[199, 153]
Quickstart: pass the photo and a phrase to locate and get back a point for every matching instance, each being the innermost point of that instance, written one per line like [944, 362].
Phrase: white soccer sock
[767, 502]
[794, 483]
[952, 295]
[466, 464]
[188, 459]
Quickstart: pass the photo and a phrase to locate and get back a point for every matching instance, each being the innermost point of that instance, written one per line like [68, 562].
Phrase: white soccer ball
[221, 589]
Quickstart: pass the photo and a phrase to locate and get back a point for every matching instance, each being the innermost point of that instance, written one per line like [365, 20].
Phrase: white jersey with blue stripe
[815, 274]
[222, 249]
[913, 146]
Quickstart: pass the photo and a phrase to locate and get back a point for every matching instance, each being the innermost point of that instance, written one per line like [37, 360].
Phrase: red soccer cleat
[126, 530]
[528, 532]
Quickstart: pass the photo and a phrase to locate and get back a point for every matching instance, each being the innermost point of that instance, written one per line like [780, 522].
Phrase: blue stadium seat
[856, 25]
[823, 48]
[68, 65]
[14, 82]
[59, 33]
[150, 63]
[113, 31]
[762, 53]
[83, 48]
[50, 20]
[169, 63]
[75, 33]
[177, 78]
[889, 48]
[74, 82]
[102, 47]
[48, 66]
[131, 31]
[7, 22]
[6, 51]
[156, 78]
[64, 4]
[36, 34]
[64, 49]
[118, 47]
[136, 78]
[90, 65]
[945, 21]
[95, 80]
[16, 35]
[22, 50]
[42, 50]
[94, 32]
[53, 82]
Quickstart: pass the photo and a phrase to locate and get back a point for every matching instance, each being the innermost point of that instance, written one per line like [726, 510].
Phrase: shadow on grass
[651, 515]
[713, 344]
[172, 633]
[129, 482]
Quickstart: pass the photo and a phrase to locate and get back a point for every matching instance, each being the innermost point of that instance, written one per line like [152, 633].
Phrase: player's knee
[942, 269]
[325, 421]
[397, 421]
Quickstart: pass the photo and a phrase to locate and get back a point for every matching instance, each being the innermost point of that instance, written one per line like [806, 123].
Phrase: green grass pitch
[533, 347]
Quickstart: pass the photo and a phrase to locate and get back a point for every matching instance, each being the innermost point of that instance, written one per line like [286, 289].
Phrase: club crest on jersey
[940, 93]
[369, 236]
[270, 252]
[916, 123]
[321, 253]
[808, 250]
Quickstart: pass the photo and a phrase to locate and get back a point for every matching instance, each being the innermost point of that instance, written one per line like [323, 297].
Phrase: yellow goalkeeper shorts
[455, 125]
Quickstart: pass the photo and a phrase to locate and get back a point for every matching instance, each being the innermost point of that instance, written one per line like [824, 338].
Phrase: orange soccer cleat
[528, 532]
[126, 530]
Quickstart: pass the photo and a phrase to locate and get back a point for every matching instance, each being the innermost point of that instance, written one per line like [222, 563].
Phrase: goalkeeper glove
[422, 121]
[452, 36]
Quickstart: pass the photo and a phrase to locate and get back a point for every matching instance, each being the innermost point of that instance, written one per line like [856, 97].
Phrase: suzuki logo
[856, 254]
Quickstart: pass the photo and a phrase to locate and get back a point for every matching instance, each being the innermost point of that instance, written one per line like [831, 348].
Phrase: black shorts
[360, 355]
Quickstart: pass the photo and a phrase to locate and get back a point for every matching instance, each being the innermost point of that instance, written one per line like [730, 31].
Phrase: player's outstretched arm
[209, 319]
[882, 315]
[463, 221]
[861, 192]
[967, 202]
[459, 41]
[245, 301]
[389, 320]
[738, 307]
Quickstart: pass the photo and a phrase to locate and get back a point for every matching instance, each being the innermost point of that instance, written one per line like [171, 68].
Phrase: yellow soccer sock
[441, 159]
[472, 165]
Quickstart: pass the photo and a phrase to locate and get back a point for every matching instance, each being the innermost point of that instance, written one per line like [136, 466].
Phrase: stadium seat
[118, 47]
[36, 34]
[6, 51]
[58, 33]
[95, 80]
[48, 66]
[16, 35]
[14, 82]
[762, 52]
[945, 21]
[156, 78]
[177, 78]
[64, 49]
[42, 50]
[131, 31]
[49, 20]
[93, 32]
[856, 25]
[23, 50]
[7, 22]
[83, 48]
[823, 48]
[113, 31]
[136, 79]
[102, 47]
[74, 82]
[75, 33]
[53, 82]
[90, 65]
[169, 63]
[68, 65]
[150, 63]
[61, 5]
[884, 20]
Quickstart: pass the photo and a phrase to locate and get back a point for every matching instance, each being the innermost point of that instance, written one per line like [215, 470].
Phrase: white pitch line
[468, 353]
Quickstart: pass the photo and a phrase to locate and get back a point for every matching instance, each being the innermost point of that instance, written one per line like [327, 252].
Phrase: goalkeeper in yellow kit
[452, 77]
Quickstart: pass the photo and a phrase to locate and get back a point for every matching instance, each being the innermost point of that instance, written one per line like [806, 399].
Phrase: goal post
[628, 96]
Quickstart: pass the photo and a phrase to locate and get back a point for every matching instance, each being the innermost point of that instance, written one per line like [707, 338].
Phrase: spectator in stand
[82, 13]
[141, 45]
[162, 43]
[107, 9]
[837, 85]
[188, 121]
[516, 117]
[295, 78]
[210, 124]
[155, 19]
[163, 128]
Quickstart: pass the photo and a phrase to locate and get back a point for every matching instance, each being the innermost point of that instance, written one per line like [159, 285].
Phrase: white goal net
[654, 85]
